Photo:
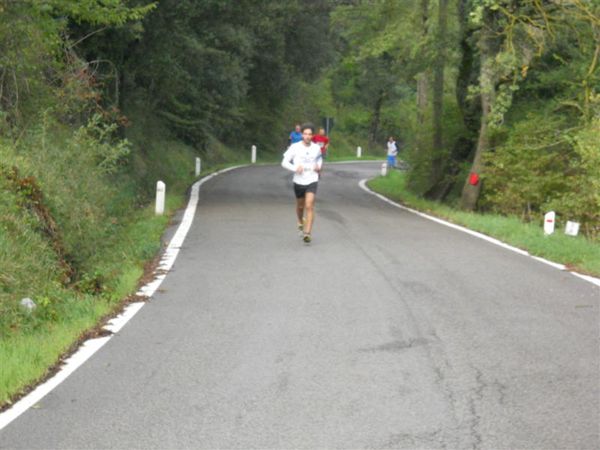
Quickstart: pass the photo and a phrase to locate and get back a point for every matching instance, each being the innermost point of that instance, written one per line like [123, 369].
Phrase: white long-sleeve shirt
[392, 149]
[307, 156]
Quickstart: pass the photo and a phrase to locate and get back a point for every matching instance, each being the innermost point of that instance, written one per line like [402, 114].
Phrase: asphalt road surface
[388, 331]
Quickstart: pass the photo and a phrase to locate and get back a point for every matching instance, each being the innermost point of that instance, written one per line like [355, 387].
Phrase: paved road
[388, 331]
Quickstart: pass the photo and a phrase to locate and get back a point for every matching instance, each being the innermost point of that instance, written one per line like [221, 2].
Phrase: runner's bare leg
[309, 203]
[300, 210]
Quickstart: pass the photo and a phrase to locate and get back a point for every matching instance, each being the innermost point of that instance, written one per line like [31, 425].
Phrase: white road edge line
[363, 185]
[91, 346]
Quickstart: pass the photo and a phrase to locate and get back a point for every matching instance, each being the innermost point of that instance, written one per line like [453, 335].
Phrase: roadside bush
[75, 173]
[527, 171]
[581, 200]
[543, 167]
[28, 264]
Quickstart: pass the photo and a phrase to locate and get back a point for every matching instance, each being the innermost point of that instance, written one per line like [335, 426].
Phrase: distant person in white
[305, 160]
[392, 151]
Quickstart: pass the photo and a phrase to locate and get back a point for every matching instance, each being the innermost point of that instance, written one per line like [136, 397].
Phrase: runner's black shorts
[300, 189]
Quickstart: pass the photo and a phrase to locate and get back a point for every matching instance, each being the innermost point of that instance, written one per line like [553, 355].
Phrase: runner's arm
[286, 163]
[319, 162]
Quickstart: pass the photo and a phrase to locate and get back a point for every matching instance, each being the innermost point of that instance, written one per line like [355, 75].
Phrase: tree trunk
[374, 128]
[487, 48]
[422, 88]
[422, 84]
[467, 74]
[438, 93]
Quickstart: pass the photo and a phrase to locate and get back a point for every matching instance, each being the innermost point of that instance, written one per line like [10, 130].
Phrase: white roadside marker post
[253, 154]
[358, 152]
[572, 228]
[384, 169]
[549, 222]
[198, 166]
[160, 198]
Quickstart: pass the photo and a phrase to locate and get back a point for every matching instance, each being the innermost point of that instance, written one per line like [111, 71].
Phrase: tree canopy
[507, 90]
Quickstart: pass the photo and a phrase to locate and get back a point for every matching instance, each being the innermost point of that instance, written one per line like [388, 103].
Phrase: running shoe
[306, 238]
[301, 227]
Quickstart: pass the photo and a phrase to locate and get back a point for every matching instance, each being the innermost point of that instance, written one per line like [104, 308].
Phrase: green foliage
[29, 45]
[547, 158]
[206, 70]
[376, 64]
[542, 63]
[72, 170]
[99, 136]
[421, 159]
[372, 29]
[28, 263]
[580, 202]
[37, 63]
[543, 167]
[99, 99]
[95, 12]
[524, 173]
[27, 355]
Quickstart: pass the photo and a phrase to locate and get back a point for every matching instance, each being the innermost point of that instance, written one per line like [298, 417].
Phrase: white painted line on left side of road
[170, 254]
[363, 185]
[87, 349]
[91, 346]
[115, 324]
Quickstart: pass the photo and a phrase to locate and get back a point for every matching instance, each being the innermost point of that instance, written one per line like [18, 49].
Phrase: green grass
[63, 315]
[106, 224]
[26, 358]
[31, 344]
[577, 253]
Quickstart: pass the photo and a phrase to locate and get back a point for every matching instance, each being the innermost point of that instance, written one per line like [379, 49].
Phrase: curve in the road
[593, 280]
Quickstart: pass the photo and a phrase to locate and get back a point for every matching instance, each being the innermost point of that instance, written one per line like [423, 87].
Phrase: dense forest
[496, 104]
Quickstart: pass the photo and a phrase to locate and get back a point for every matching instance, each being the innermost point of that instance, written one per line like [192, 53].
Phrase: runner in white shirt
[305, 160]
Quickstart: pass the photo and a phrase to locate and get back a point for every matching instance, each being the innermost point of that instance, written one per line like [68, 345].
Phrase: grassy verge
[76, 235]
[64, 316]
[27, 358]
[577, 253]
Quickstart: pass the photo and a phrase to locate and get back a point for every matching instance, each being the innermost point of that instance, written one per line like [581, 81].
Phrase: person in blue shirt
[295, 136]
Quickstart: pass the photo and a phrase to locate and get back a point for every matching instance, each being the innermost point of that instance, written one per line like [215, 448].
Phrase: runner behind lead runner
[305, 160]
